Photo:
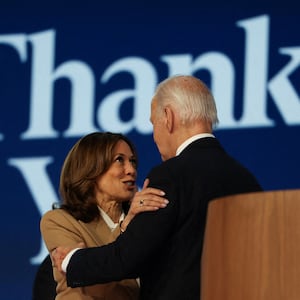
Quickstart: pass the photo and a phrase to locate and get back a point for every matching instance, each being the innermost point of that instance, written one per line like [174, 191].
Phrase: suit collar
[191, 140]
[99, 231]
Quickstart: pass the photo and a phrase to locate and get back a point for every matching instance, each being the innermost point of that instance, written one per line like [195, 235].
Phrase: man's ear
[169, 118]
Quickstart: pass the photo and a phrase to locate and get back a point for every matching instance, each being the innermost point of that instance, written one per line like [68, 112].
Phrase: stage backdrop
[66, 71]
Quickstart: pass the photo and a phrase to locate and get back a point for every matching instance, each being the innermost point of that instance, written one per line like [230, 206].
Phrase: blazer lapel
[98, 231]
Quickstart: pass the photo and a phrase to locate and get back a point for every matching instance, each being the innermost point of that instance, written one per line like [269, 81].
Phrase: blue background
[99, 34]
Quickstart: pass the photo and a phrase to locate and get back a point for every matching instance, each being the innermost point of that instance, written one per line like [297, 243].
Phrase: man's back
[201, 173]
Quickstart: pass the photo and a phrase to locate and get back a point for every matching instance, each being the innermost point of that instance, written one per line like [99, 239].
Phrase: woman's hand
[148, 199]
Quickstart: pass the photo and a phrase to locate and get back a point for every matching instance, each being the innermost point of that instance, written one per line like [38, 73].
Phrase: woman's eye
[120, 159]
[133, 162]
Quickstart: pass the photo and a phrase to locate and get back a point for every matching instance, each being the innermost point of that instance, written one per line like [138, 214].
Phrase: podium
[251, 247]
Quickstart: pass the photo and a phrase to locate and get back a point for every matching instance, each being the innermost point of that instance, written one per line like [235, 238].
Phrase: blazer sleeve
[147, 233]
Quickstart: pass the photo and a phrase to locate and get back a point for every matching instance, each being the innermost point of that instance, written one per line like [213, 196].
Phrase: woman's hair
[189, 96]
[88, 159]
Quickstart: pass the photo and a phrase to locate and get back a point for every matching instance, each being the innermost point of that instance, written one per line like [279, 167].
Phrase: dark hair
[88, 159]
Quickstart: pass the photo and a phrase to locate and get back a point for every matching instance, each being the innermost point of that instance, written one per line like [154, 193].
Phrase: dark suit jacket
[164, 247]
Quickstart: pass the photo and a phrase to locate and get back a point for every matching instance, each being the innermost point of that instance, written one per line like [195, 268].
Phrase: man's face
[159, 130]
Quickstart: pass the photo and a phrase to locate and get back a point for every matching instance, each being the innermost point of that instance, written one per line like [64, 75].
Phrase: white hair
[189, 96]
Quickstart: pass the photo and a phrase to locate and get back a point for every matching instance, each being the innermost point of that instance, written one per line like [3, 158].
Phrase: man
[163, 248]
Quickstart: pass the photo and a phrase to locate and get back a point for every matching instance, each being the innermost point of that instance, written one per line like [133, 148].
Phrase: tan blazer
[59, 228]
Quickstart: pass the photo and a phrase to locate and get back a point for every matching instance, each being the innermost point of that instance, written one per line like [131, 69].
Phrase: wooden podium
[252, 247]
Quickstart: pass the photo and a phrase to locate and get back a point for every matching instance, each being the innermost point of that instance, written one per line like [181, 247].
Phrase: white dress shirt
[192, 139]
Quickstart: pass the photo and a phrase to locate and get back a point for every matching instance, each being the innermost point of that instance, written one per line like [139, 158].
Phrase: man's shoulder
[166, 168]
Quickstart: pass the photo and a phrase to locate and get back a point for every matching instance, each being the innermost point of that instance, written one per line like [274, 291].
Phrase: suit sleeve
[147, 233]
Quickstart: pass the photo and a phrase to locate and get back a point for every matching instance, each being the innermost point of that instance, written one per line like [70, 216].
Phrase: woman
[98, 180]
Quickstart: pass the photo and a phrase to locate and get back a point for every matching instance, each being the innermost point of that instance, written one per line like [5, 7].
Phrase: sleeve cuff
[66, 260]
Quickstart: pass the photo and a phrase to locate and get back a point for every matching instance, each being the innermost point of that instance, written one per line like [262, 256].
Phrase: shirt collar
[192, 139]
[108, 220]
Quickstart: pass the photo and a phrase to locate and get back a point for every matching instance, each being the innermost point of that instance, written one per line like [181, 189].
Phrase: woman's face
[118, 183]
